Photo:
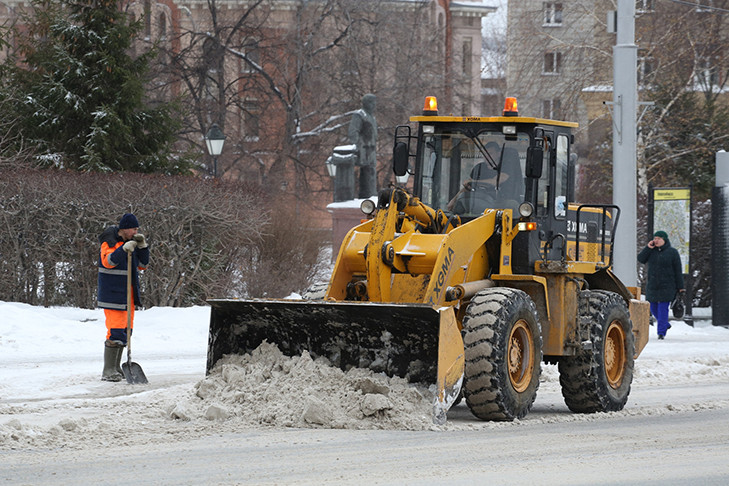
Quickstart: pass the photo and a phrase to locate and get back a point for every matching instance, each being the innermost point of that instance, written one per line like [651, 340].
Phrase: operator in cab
[493, 183]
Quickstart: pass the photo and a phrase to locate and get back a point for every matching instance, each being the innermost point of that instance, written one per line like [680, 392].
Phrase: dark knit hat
[661, 234]
[128, 221]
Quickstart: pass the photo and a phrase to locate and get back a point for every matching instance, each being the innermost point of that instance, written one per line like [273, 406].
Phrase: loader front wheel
[598, 377]
[503, 351]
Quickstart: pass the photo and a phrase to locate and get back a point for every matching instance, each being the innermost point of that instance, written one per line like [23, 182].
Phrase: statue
[363, 134]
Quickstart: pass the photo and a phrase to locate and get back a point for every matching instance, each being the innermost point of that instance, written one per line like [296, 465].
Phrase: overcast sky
[498, 18]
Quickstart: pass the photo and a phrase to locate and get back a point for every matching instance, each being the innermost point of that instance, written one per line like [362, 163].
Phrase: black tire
[503, 352]
[316, 291]
[598, 377]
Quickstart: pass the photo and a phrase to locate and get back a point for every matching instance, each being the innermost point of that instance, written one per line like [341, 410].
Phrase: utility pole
[720, 242]
[625, 175]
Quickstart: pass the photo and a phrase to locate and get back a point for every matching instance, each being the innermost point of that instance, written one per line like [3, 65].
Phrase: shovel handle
[130, 302]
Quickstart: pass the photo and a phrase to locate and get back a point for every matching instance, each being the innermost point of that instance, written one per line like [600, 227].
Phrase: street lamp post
[214, 140]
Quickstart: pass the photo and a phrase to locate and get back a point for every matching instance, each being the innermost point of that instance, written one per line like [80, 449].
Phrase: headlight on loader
[367, 207]
[526, 209]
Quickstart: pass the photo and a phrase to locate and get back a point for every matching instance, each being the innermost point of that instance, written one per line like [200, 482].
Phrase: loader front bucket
[414, 341]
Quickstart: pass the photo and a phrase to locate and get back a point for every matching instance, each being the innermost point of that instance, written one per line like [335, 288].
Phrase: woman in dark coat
[665, 277]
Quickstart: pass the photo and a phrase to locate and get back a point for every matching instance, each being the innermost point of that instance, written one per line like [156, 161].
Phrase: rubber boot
[112, 357]
[119, 356]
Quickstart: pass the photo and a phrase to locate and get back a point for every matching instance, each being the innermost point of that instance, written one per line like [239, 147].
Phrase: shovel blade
[133, 373]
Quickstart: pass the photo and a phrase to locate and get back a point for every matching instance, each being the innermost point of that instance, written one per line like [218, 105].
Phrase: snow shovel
[132, 371]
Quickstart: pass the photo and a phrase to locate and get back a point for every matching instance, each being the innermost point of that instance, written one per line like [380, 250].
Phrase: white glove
[141, 241]
[129, 246]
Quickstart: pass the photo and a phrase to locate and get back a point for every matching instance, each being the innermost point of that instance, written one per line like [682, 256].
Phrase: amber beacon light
[431, 106]
[510, 108]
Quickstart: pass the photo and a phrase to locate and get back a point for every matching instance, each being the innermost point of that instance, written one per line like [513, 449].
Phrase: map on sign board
[672, 214]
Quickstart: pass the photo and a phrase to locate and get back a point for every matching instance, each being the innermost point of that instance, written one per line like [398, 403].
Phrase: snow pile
[264, 389]
[270, 389]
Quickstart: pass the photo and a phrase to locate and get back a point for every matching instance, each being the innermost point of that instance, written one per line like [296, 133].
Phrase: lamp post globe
[214, 140]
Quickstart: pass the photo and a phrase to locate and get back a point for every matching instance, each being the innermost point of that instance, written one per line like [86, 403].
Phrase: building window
[551, 109]
[162, 26]
[467, 58]
[552, 63]
[252, 53]
[251, 119]
[552, 14]
[441, 39]
[211, 56]
[211, 61]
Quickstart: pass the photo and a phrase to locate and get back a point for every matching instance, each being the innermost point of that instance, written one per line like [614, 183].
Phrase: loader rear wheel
[598, 377]
[503, 351]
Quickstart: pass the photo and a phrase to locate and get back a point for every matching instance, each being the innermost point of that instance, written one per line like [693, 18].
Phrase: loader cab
[465, 165]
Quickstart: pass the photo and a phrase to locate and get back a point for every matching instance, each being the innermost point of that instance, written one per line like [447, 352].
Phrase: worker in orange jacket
[117, 242]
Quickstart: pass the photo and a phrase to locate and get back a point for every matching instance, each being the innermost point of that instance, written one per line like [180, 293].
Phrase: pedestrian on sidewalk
[665, 277]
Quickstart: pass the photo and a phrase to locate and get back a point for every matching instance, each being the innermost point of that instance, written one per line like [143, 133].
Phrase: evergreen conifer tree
[83, 100]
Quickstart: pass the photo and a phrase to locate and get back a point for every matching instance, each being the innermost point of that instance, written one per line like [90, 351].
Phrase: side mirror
[535, 162]
[535, 155]
[400, 159]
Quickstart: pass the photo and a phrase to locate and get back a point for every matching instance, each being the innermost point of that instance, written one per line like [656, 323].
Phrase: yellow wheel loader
[472, 279]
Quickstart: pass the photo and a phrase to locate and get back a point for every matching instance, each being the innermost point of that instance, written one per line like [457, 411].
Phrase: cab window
[561, 175]
[554, 199]
[468, 174]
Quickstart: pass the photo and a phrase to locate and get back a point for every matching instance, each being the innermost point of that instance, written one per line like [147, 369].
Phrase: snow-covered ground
[53, 355]
[51, 396]
[50, 353]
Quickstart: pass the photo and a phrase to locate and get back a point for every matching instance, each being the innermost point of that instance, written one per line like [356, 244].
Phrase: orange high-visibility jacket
[112, 291]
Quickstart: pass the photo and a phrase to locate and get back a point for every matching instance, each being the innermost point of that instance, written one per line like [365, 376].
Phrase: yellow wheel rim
[520, 356]
[614, 354]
